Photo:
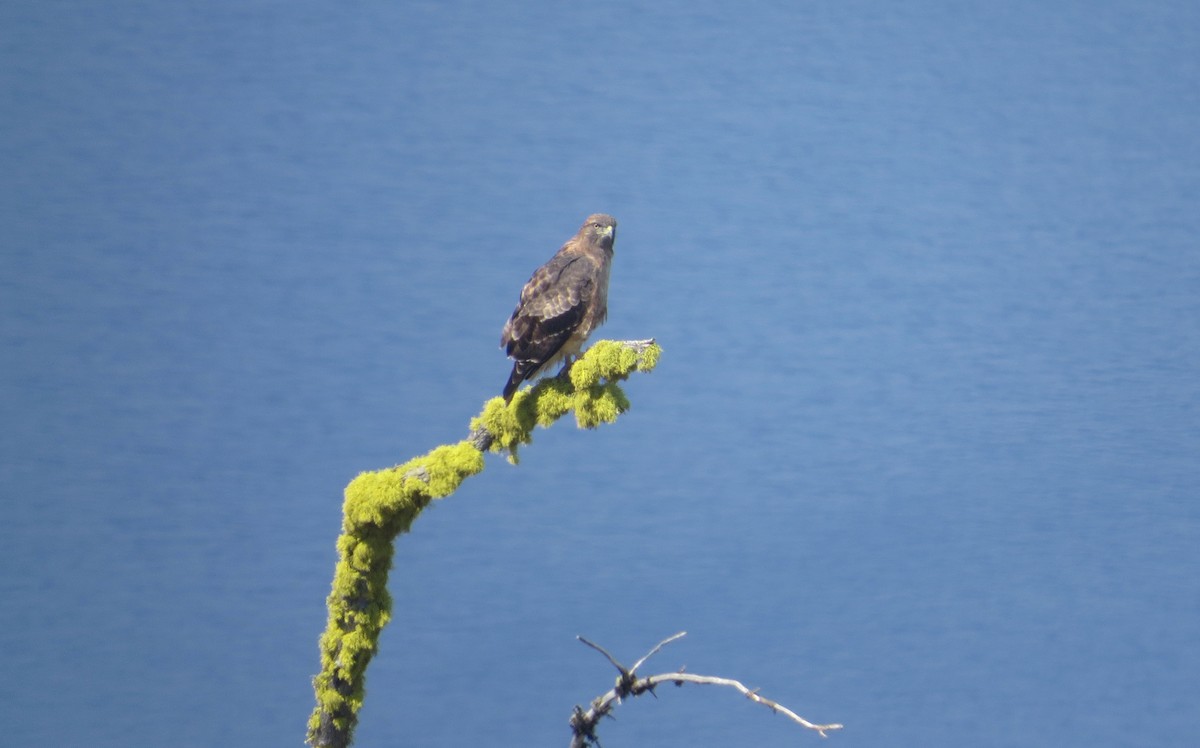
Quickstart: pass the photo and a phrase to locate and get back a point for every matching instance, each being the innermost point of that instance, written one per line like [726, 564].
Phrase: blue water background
[922, 455]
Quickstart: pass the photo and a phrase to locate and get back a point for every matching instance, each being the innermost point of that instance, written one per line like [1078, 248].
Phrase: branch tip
[620, 668]
[657, 647]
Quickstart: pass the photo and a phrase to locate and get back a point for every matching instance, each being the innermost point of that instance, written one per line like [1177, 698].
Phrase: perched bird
[562, 303]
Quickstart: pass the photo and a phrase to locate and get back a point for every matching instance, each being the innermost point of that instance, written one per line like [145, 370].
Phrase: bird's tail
[514, 381]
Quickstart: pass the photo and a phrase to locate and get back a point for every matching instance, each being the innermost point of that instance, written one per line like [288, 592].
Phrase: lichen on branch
[590, 388]
[381, 504]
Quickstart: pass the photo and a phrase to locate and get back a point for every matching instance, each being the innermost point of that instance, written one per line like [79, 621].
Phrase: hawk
[562, 303]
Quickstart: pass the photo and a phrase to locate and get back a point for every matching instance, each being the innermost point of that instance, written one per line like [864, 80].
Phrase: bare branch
[620, 668]
[657, 647]
[774, 706]
[583, 722]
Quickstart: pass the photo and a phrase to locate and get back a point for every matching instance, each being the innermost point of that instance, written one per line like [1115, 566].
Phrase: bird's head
[601, 229]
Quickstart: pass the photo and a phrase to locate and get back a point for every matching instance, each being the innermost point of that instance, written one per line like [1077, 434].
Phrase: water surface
[920, 456]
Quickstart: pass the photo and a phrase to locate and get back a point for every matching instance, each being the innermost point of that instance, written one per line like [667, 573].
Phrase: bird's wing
[554, 303]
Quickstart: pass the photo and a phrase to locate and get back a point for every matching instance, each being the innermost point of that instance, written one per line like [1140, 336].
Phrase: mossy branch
[382, 504]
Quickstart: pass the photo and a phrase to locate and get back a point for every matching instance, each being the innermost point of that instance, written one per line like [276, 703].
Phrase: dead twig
[583, 722]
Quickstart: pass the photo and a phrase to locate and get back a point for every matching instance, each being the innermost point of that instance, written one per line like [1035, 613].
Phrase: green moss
[380, 505]
[449, 465]
[599, 405]
[590, 390]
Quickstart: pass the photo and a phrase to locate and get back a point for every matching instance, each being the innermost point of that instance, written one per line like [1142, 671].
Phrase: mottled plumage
[561, 304]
